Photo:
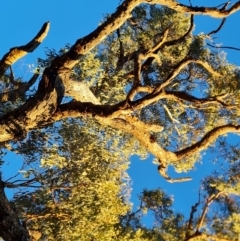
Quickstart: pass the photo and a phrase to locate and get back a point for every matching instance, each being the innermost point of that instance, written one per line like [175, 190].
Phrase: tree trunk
[10, 226]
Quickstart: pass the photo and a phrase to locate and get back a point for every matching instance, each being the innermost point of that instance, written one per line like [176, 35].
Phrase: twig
[170, 115]
[223, 47]
[219, 28]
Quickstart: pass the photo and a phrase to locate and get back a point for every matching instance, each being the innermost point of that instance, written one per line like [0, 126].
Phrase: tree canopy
[140, 83]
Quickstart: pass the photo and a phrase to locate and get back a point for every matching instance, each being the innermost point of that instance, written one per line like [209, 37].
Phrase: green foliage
[83, 182]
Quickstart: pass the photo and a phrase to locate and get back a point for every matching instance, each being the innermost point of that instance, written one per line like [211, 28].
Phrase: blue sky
[70, 20]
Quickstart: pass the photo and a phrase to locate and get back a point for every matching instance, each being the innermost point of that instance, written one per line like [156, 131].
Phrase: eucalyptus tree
[139, 72]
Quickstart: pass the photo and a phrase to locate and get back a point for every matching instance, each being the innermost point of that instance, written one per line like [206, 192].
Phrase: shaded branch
[10, 226]
[190, 221]
[223, 47]
[17, 53]
[183, 96]
[182, 64]
[22, 184]
[219, 28]
[122, 58]
[20, 90]
[137, 76]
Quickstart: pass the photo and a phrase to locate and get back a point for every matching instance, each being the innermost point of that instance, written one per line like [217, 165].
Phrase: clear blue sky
[70, 20]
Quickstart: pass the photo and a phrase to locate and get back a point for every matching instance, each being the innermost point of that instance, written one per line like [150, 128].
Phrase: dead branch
[17, 53]
[162, 172]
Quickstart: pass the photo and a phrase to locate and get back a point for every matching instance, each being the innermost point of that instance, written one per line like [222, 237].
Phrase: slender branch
[18, 52]
[170, 115]
[190, 221]
[205, 209]
[223, 47]
[171, 42]
[182, 64]
[162, 172]
[138, 58]
[224, 5]
[20, 90]
[219, 28]
[183, 96]
[137, 76]
[161, 42]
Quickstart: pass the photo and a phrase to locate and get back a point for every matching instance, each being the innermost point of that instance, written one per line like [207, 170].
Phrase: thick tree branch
[207, 140]
[17, 53]
[138, 132]
[39, 109]
[210, 11]
[85, 44]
